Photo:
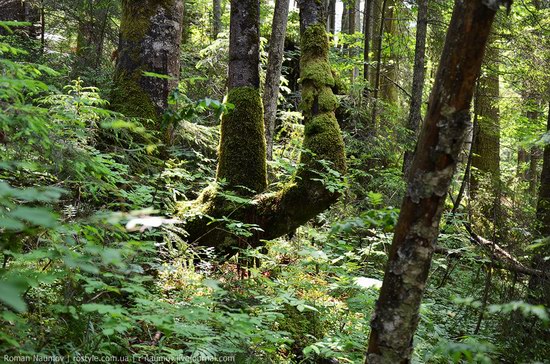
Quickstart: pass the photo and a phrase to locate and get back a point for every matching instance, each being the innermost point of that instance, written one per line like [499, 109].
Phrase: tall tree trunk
[533, 171]
[540, 286]
[281, 212]
[415, 112]
[397, 309]
[375, 24]
[344, 23]
[388, 90]
[351, 16]
[331, 19]
[150, 37]
[242, 142]
[523, 158]
[216, 18]
[367, 31]
[378, 54]
[486, 144]
[273, 75]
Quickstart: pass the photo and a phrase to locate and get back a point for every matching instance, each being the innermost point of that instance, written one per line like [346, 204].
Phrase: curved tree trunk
[397, 309]
[273, 75]
[279, 213]
[150, 37]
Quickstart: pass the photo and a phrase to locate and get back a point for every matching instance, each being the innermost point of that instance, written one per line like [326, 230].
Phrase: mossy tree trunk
[273, 74]
[278, 213]
[397, 309]
[150, 37]
[242, 154]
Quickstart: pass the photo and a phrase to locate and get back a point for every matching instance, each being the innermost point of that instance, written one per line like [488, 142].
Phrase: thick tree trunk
[540, 286]
[273, 75]
[216, 18]
[397, 309]
[279, 213]
[242, 141]
[150, 37]
[415, 112]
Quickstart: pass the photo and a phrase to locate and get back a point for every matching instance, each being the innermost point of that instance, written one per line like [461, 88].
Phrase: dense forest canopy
[311, 181]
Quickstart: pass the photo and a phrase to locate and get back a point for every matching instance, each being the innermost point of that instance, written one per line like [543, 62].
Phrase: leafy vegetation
[95, 257]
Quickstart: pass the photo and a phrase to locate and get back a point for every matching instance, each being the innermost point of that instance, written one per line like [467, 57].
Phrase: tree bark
[486, 144]
[150, 37]
[540, 286]
[397, 309]
[278, 213]
[331, 19]
[242, 142]
[273, 74]
[388, 89]
[367, 31]
[378, 55]
[216, 18]
[415, 112]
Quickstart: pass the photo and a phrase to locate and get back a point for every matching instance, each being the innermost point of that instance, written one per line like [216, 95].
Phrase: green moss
[323, 137]
[129, 98]
[136, 17]
[321, 99]
[242, 155]
[314, 42]
[318, 71]
[304, 328]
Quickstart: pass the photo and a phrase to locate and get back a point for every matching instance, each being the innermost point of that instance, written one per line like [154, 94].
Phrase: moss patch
[242, 155]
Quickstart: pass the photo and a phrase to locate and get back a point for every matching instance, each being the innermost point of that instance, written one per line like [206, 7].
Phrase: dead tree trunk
[415, 115]
[397, 309]
[150, 37]
[273, 75]
[278, 213]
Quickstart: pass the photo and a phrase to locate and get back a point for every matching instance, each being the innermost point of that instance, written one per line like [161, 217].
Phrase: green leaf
[11, 296]
[35, 215]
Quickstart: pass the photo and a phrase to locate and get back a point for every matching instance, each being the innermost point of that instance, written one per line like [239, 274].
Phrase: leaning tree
[242, 156]
[396, 314]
